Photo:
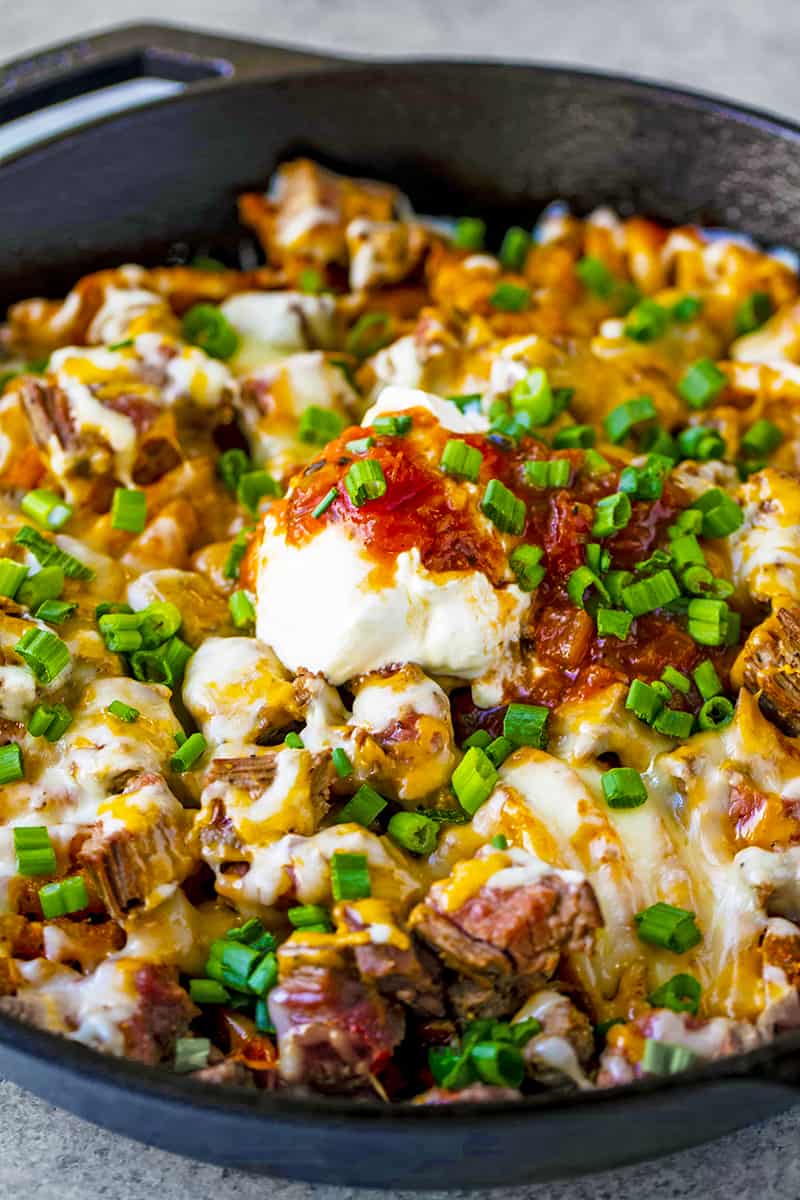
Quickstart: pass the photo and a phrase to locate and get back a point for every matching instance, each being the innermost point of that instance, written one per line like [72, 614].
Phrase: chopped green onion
[319, 425]
[129, 510]
[503, 508]
[208, 991]
[752, 313]
[642, 483]
[672, 722]
[11, 768]
[365, 481]
[643, 701]
[595, 276]
[611, 514]
[359, 446]
[680, 994]
[675, 679]
[294, 741]
[350, 876]
[702, 383]
[656, 440]
[59, 722]
[534, 395]
[687, 308]
[649, 594]
[202, 262]
[303, 915]
[341, 763]
[232, 962]
[647, 321]
[253, 486]
[583, 581]
[68, 896]
[595, 463]
[469, 233]
[574, 437]
[459, 458]
[188, 753]
[761, 439]
[231, 466]
[701, 442]
[514, 248]
[469, 402]
[685, 551]
[326, 501]
[499, 842]
[510, 297]
[40, 720]
[395, 426]
[498, 751]
[310, 281]
[623, 788]
[236, 554]
[370, 332]
[264, 976]
[615, 581]
[164, 665]
[241, 609]
[413, 832]
[598, 559]
[669, 927]
[191, 1054]
[48, 508]
[205, 326]
[715, 713]
[48, 554]
[662, 690]
[662, 1058]
[363, 807]
[158, 623]
[473, 780]
[45, 654]
[32, 846]
[625, 417]
[480, 738]
[611, 622]
[708, 621]
[526, 725]
[12, 575]
[123, 712]
[498, 1063]
[707, 680]
[553, 473]
[526, 565]
[55, 612]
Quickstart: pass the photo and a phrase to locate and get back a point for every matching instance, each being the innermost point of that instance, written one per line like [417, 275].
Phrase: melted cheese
[236, 689]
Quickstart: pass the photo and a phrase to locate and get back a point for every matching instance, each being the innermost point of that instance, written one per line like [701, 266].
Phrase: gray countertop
[741, 48]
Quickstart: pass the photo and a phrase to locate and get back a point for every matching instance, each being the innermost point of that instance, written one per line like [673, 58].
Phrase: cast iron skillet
[499, 140]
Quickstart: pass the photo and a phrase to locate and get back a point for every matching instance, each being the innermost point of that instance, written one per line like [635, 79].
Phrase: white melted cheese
[453, 623]
[284, 321]
[381, 700]
[398, 364]
[231, 686]
[120, 308]
[449, 415]
[765, 551]
[90, 1009]
[89, 416]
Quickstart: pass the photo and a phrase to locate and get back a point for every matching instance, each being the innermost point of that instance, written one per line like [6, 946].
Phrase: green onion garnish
[310, 281]
[595, 276]
[702, 383]
[681, 994]
[208, 991]
[480, 738]
[48, 554]
[595, 463]
[473, 780]
[552, 473]
[319, 425]
[11, 768]
[701, 442]
[241, 609]
[236, 554]
[12, 575]
[365, 481]
[45, 654]
[205, 326]
[158, 623]
[187, 754]
[166, 664]
[469, 402]
[123, 712]
[469, 233]
[498, 751]
[672, 722]
[47, 508]
[359, 446]
[231, 466]
[706, 679]
[461, 459]
[662, 1058]
[649, 594]
[325, 503]
[350, 876]
[363, 807]
[253, 486]
[514, 248]
[498, 1063]
[526, 565]
[510, 297]
[526, 725]
[294, 741]
[761, 439]
[611, 514]
[396, 426]
[582, 583]
[611, 622]
[647, 321]
[67, 896]
[370, 332]
[675, 679]
[623, 788]
[414, 832]
[752, 313]
[499, 842]
[534, 395]
[669, 927]
[129, 510]
[574, 437]
[625, 417]
[191, 1054]
[55, 612]
[203, 262]
[32, 846]
[715, 713]
[643, 701]
[304, 915]
[503, 508]
[708, 621]
[686, 309]
[40, 720]
[341, 763]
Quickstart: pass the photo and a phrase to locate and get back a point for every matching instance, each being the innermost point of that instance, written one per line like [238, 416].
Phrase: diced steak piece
[163, 1015]
[227, 1073]
[772, 668]
[48, 411]
[333, 1031]
[505, 942]
[411, 976]
[476, 1093]
[565, 1045]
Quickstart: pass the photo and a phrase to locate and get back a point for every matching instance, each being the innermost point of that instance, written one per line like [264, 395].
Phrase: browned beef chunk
[772, 668]
[505, 942]
[476, 1093]
[9, 977]
[162, 1016]
[48, 411]
[333, 1030]
[411, 976]
[227, 1073]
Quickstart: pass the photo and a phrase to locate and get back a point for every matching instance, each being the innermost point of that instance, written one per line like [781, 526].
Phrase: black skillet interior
[493, 139]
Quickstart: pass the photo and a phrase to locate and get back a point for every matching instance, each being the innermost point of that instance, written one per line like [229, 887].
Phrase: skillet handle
[146, 62]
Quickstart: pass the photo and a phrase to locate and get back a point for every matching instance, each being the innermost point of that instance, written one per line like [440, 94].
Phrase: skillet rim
[69, 1057]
